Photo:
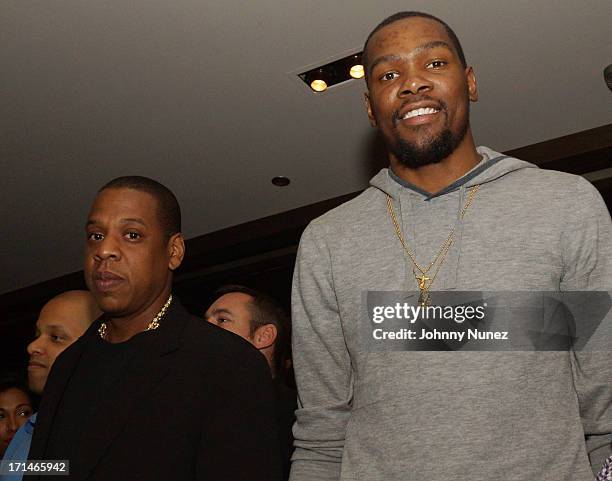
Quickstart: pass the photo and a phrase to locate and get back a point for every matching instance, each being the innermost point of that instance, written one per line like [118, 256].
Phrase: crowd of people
[136, 388]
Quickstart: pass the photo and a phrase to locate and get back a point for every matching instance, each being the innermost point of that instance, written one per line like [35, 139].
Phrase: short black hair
[266, 310]
[15, 381]
[410, 14]
[168, 208]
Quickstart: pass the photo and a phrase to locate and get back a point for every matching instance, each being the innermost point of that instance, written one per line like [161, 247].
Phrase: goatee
[433, 151]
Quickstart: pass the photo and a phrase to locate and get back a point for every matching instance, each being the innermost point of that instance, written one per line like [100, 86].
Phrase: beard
[432, 151]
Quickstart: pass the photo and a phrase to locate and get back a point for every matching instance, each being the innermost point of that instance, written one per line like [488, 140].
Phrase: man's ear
[176, 251]
[368, 105]
[471, 81]
[265, 336]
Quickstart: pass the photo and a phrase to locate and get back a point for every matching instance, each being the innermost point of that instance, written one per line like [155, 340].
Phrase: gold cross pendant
[422, 281]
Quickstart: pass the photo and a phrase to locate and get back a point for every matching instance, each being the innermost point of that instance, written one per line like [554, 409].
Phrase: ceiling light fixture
[355, 67]
[357, 71]
[318, 85]
[317, 82]
[281, 181]
[321, 78]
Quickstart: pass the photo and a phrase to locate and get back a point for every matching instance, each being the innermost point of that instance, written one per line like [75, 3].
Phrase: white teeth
[422, 111]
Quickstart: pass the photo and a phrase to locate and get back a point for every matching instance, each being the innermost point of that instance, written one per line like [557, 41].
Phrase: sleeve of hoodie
[588, 266]
[322, 366]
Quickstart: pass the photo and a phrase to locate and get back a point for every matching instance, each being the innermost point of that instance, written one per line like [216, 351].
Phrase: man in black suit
[260, 319]
[150, 392]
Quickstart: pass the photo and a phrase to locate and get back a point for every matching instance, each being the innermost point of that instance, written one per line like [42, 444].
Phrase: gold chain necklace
[154, 324]
[424, 281]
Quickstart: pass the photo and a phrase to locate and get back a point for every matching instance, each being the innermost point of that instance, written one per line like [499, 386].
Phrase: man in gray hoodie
[446, 216]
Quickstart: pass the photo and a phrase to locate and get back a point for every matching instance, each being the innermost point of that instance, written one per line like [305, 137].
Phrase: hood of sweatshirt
[492, 166]
[427, 219]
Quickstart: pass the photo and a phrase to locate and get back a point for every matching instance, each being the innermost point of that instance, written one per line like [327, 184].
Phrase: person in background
[61, 321]
[15, 409]
[260, 319]
[256, 317]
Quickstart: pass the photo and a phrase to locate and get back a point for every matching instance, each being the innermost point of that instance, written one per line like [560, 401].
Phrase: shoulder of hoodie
[560, 185]
[544, 183]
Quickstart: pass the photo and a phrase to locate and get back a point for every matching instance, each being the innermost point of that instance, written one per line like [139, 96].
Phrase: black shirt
[97, 374]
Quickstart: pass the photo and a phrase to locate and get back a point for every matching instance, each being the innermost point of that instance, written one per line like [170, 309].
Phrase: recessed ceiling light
[356, 71]
[318, 85]
[281, 181]
[321, 78]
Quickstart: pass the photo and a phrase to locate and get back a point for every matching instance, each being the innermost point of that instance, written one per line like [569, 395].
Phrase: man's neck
[433, 178]
[121, 329]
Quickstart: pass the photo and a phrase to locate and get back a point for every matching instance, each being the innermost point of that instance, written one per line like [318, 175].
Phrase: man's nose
[107, 248]
[415, 82]
[35, 346]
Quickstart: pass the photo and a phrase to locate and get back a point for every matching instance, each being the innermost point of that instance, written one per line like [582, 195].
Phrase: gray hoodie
[433, 416]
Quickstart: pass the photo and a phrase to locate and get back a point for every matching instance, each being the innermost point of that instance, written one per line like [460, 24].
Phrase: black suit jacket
[198, 406]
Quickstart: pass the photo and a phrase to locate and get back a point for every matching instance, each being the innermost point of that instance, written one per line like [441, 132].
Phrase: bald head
[62, 321]
[78, 308]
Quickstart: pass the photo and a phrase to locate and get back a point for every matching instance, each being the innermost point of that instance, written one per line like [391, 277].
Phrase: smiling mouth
[419, 112]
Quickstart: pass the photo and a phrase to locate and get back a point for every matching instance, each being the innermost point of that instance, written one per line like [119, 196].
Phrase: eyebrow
[421, 48]
[55, 326]
[220, 310]
[16, 407]
[127, 220]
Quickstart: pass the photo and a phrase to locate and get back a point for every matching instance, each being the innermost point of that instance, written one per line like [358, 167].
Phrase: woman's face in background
[15, 409]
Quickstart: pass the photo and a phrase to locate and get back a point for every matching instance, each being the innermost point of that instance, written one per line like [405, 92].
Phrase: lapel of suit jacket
[144, 371]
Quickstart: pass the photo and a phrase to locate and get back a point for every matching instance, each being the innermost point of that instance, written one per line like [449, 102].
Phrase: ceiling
[202, 95]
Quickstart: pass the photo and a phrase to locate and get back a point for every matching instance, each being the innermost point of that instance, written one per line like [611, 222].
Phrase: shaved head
[78, 307]
[62, 321]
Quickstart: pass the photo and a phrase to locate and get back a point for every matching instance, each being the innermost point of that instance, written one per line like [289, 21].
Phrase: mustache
[395, 117]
